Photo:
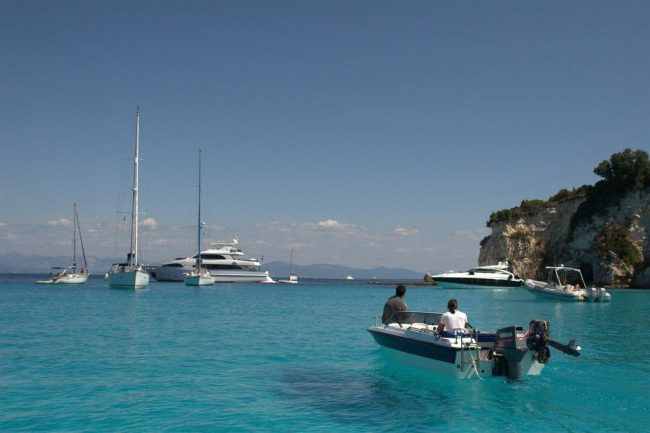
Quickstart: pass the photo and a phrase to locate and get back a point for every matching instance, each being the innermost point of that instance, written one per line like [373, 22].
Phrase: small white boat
[567, 283]
[293, 278]
[482, 277]
[69, 274]
[131, 275]
[199, 276]
[349, 277]
[511, 351]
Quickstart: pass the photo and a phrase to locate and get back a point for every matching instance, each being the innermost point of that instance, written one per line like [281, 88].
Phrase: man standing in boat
[394, 304]
[452, 319]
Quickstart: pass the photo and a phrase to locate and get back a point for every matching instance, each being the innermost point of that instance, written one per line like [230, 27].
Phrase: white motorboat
[199, 276]
[130, 274]
[293, 278]
[482, 277]
[69, 274]
[511, 351]
[567, 283]
[349, 277]
[225, 261]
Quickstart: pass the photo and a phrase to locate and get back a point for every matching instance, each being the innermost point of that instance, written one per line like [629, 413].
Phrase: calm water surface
[285, 358]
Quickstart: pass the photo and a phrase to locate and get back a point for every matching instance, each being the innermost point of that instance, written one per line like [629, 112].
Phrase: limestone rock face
[533, 242]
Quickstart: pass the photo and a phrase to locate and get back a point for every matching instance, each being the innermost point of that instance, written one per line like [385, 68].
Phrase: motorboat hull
[128, 279]
[510, 351]
[476, 283]
[482, 277]
[164, 273]
[458, 357]
[590, 294]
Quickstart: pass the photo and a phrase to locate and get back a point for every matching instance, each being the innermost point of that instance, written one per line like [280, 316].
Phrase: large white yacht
[225, 261]
[486, 277]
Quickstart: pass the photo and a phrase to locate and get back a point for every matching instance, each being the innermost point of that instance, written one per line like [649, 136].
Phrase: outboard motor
[537, 340]
[510, 348]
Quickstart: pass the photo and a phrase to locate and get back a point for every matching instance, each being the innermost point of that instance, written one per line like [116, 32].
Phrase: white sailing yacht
[69, 274]
[198, 276]
[131, 275]
[293, 278]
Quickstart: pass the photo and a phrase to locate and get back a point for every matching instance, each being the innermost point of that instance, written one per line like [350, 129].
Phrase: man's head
[452, 305]
[400, 290]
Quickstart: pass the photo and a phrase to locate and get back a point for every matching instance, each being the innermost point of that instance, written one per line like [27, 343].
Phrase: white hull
[162, 273]
[590, 294]
[485, 285]
[483, 277]
[72, 279]
[202, 279]
[419, 346]
[293, 279]
[66, 279]
[128, 279]
[530, 366]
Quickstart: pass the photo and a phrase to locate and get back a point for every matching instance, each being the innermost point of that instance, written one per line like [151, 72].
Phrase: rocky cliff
[612, 247]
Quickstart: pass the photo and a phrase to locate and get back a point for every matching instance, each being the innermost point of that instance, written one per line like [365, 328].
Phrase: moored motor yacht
[510, 351]
[482, 277]
[567, 283]
[225, 262]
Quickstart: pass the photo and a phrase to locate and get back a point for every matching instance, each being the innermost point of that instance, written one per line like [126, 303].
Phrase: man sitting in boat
[452, 319]
[394, 304]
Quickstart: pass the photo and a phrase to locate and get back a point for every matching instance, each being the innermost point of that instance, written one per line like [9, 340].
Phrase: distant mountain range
[16, 263]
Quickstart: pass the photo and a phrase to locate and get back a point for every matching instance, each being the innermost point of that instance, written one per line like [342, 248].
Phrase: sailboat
[69, 274]
[293, 278]
[198, 276]
[130, 274]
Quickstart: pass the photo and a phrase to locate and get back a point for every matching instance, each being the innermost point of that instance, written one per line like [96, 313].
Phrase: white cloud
[59, 222]
[149, 223]
[472, 235]
[332, 225]
[404, 231]
[162, 243]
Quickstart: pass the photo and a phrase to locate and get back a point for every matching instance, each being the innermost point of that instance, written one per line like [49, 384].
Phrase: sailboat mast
[291, 262]
[198, 256]
[133, 255]
[81, 240]
[74, 239]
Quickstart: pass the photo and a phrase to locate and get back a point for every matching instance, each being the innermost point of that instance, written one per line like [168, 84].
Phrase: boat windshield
[410, 317]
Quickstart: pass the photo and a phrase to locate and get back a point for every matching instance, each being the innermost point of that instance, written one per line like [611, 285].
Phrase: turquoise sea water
[285, 358]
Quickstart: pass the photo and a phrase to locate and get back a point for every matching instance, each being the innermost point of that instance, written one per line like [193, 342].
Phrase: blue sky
[362, 133]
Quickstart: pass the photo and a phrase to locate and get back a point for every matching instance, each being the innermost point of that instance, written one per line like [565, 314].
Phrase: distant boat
[225, 261]
[293, 278]
[349, 277]
[199, 276]
[131, 275]
[69, 274]
[567, 283]
[483, 277]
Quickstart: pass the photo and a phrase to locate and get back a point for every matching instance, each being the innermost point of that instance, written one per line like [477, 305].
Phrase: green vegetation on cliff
[614, 237]
[624, 172]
